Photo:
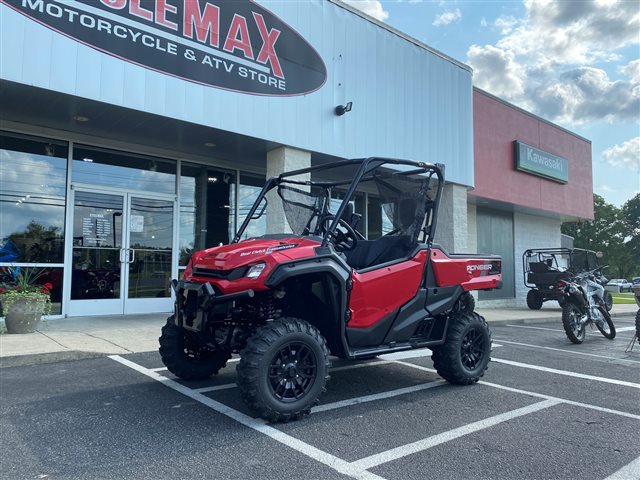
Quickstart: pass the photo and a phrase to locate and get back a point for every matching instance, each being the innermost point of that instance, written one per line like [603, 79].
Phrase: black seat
[368, 253]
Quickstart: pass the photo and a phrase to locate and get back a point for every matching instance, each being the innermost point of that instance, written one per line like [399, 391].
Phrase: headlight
[256, 270]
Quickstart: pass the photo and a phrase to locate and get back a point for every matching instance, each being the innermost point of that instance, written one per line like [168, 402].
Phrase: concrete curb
[51, 357]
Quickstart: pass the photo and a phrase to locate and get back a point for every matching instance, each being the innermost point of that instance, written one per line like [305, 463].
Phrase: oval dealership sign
[231, 44]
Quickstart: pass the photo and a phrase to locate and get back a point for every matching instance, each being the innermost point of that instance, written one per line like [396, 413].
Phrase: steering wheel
[342, 241]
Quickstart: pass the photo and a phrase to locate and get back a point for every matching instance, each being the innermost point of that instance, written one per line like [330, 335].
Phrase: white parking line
[628, 472]
[618, 329]
[259, 425]
[378, 396]
[159, 369]
[421, 445]
[215, 388]
[572, 352]
[538, 395]
[567, 373]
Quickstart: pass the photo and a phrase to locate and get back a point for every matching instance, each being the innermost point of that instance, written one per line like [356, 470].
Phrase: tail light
[561, 284]
[187, 271]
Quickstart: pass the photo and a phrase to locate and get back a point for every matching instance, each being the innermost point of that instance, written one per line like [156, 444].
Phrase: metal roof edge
[526, 112]
[400, 34]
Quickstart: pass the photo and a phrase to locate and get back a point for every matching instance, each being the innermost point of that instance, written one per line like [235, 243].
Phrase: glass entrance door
[122, 254]
[148, 255]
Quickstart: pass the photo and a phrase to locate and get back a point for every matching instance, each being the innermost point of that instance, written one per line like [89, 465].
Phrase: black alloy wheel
[473, 348]
[292, 371]
[466, 353]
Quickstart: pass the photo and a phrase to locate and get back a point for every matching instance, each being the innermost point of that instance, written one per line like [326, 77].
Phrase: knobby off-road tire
[571, 322]
[467, 302]
[534, 300]
[611, 333]
[185, 357]
[284, 369]
[608, 301]
[466, 353]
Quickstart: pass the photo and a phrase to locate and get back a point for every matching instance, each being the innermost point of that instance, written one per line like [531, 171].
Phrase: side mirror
[258, 213]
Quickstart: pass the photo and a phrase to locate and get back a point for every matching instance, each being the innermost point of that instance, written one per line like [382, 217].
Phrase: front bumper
[195, 300]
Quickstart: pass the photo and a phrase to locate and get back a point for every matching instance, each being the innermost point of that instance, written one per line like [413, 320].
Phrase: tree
[631, 218]
[609, 232]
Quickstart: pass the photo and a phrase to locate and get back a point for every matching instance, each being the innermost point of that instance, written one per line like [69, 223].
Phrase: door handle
[132, 256]
[122, 255]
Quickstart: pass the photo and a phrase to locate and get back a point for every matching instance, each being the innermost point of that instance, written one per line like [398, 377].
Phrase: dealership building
[135, 132]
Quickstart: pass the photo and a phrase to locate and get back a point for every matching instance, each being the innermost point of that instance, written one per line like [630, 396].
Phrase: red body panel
[471, 273]
[250, 252]
[377, 293]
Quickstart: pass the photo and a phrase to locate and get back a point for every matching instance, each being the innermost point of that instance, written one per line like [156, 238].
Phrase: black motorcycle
[584, 305]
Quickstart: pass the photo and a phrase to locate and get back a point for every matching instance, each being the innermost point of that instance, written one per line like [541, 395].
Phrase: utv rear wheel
[185, 356]
[465, 355]
[572, 323]
[284, 369]
[534, 300]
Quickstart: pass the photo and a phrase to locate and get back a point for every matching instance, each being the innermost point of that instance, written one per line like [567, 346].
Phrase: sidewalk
[85, 337]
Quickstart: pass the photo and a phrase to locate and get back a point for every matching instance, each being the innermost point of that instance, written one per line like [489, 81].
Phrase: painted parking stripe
[378, 396]
[159, 369]
[572, 352]
[628, 472]
[421, 445]
[567, 373]
[215, 388]
[618, 329]
[259, 425]
[536, 394]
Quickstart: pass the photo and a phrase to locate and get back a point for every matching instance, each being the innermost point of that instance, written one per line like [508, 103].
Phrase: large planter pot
[23, 314]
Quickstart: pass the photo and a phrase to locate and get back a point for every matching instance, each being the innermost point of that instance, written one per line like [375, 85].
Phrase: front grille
[223, 274]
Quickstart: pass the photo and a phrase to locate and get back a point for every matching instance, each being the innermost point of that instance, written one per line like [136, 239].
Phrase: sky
[575, 63]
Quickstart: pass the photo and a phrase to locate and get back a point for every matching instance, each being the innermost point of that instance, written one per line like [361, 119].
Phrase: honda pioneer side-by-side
[284, 301]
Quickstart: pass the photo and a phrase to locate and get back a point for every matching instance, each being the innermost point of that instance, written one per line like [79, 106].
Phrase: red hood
[247, 252]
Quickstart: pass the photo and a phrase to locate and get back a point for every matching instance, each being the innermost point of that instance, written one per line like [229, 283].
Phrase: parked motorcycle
[584, 305]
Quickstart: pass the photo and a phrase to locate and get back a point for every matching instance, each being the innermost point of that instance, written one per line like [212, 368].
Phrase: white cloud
[370, 7]
[626, 154]
[545, 61]
[505, 24]
[447, 17]
[483, 22]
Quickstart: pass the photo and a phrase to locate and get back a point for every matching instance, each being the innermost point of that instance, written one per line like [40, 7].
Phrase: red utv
[284, 301]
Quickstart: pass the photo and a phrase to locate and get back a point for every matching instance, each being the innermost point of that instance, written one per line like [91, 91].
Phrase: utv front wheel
[283, 370]
[465, 355]
[185, 356]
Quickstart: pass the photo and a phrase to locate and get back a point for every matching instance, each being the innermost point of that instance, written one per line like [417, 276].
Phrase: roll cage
[370, 169]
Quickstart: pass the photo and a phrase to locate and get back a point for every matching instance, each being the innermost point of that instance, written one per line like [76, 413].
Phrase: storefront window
[98, 166]
[42, 275]
[206, 208]
[250, 187]
[32, 199]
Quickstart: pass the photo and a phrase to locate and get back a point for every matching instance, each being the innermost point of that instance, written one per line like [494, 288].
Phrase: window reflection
[117, 169]
[51, 275]
[32, 199]
[206, 208]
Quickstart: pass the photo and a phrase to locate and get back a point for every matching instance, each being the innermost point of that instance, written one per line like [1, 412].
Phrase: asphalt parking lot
[545, 409]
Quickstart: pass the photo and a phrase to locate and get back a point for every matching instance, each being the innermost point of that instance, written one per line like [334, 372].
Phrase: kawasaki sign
[538, 162]
[231, 44]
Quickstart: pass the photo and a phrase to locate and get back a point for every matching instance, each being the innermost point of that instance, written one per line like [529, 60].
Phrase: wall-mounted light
[342, 109]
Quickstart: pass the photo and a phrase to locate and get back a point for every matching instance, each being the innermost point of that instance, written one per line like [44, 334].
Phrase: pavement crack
[109, 341]
[53, 340]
